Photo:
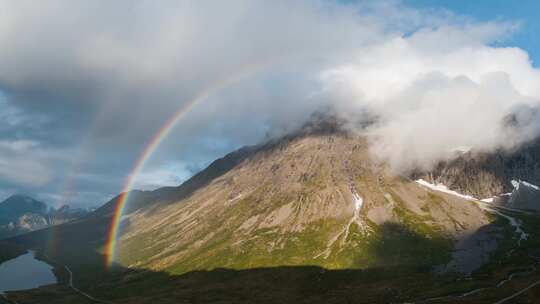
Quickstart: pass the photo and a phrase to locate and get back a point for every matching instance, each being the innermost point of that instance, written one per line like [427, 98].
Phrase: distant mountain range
[20, 214]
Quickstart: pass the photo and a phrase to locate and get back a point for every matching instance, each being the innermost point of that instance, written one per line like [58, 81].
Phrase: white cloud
[169, 175]
[111, 73]
[436, 90]
[20, 163]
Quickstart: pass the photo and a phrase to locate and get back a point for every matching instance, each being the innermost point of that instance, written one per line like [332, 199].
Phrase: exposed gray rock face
[485, 175]
[31, 221]
[524, 196]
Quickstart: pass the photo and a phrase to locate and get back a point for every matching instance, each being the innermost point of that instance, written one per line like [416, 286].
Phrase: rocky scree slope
[315, 198]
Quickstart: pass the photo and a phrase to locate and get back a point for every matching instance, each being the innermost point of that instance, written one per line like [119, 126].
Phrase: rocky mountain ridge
[485, 175]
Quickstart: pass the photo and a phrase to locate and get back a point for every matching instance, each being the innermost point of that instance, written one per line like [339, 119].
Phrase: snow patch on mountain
[358, 201]
[443, 188]
[462, 149]
[517, 183]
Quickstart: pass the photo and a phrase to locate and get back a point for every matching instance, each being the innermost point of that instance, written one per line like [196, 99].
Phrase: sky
[525, 12]
[85, 85]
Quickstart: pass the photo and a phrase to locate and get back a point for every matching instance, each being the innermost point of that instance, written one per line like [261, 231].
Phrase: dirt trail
[72, 286]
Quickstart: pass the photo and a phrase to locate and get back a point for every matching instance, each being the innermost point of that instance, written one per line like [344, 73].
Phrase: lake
[25, 272]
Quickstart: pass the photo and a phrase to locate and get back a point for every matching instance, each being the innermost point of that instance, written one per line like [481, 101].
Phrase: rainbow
[150, 148]
[159, 136]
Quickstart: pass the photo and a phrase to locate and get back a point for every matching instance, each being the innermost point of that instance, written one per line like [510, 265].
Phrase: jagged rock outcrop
[484, 175]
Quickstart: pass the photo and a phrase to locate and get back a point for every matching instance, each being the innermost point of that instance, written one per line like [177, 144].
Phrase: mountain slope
[314, 199]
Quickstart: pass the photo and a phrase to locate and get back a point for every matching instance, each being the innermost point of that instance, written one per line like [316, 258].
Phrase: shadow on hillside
[398, 245]
[403, 270]
[287, 284]
[9, 251]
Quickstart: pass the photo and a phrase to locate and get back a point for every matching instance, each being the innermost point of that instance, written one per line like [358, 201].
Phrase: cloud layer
[86, 84]
[439, 90]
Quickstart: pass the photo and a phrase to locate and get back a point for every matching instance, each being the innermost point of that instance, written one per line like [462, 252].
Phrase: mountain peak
[24, 202]
[323, 122]
[19, 197]
[330, 121]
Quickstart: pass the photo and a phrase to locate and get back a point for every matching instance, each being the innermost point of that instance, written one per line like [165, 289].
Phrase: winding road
[478, 290]
[518, 293]
[72, 286]
[77, 290]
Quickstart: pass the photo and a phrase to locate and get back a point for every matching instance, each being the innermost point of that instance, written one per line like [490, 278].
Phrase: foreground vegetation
[409, 278]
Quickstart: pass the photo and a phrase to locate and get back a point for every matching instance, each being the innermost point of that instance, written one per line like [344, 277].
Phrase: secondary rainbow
[151, 146]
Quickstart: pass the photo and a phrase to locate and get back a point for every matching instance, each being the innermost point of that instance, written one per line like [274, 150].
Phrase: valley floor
[512, 276]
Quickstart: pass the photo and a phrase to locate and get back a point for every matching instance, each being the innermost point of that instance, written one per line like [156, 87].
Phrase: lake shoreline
[26, 271]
